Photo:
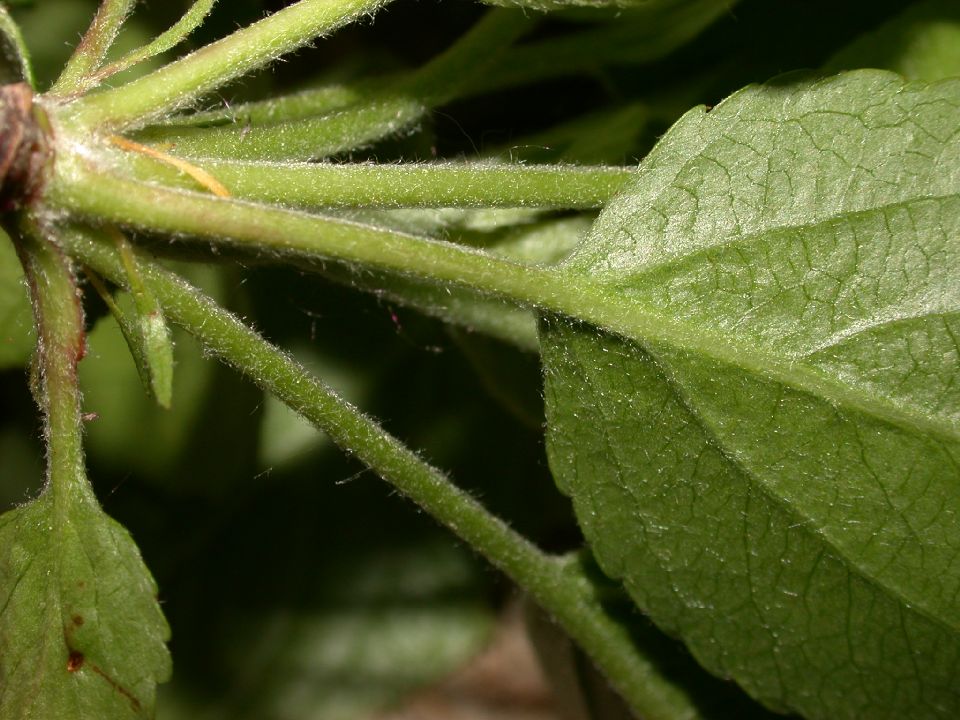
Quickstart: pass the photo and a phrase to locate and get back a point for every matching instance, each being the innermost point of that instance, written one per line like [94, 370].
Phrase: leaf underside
[81, 632]
[796, 523]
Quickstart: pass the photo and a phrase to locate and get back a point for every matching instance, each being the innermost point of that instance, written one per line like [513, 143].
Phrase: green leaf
[16, 323]
[80, 628]
[145, 329]
[151, 345]
[921, 43]
[585, 693]
[770, 463]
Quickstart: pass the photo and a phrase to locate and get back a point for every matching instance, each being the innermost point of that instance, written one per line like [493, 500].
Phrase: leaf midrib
[642, 323]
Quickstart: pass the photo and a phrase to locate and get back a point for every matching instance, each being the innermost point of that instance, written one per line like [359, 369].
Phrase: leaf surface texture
[81, 632]
[775, 477]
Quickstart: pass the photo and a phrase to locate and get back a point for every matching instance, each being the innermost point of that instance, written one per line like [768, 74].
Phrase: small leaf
[144, 327]
[81, 632]
[149, 341]
[770, 461]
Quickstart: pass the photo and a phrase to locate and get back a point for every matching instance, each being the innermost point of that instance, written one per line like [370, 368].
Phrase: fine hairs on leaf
[746, 318]
[774, 221]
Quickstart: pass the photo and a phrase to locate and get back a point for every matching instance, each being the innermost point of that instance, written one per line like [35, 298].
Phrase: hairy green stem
[376, 115]
[58, 316]
[558, 585]
[93, 48]
[97, 193]
[401, 186]
[190, 21]
[181, 82]
[299, 105]
[94, 194]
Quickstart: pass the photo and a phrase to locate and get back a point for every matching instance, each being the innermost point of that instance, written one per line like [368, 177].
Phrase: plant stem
[561, 587]
[374, 116]
[101, 195]
[181, 82]
[401, 186]
[190, 21]
[97, 194]
[61, 343]
[94, 46]
[296, 106]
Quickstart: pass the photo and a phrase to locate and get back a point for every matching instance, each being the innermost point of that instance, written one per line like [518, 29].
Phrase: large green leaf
[772, 467]
[81, 633]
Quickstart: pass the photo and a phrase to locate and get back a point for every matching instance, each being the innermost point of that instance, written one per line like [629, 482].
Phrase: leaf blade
[80, 625]
[785, 501]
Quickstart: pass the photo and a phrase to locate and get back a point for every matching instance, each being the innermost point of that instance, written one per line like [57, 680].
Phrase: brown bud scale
[23, 147]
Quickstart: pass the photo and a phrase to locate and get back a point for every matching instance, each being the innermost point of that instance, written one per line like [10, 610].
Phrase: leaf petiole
[190, 21]
[181, 82]
[58, 317]
[319, 185]
[345, 125]
[93, 47]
